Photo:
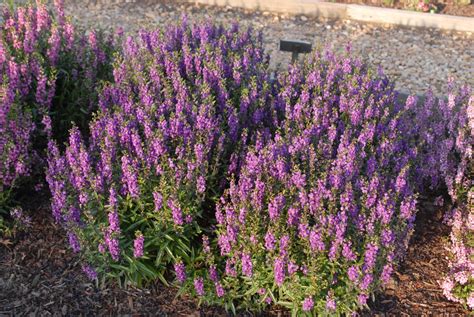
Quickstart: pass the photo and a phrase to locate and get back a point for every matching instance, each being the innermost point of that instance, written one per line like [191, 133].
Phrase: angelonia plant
[49, 72]
[185, 103]
[320, 214]
[446, 152]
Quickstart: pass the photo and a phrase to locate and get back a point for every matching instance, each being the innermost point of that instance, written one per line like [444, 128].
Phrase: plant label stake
[295, 47]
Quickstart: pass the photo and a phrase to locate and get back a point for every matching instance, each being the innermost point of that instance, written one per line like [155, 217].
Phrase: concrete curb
[329, 10]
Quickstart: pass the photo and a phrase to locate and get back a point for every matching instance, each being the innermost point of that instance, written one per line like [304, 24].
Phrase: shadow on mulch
[40, 275]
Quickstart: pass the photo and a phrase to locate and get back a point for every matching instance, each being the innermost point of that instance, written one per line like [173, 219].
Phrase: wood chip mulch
[39, 275]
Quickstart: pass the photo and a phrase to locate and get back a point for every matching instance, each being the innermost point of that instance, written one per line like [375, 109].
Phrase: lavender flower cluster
[321, 213]
[172, 129]
[48, 77]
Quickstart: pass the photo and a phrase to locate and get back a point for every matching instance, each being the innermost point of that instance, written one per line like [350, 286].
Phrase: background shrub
[184, 104]
[446, 135]
[322, 212]
[49, 72]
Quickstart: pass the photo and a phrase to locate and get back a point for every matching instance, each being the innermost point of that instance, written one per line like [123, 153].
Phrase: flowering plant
[447, 159]
[443, 132]
[48, 78]
[321, 213]
[175, 123]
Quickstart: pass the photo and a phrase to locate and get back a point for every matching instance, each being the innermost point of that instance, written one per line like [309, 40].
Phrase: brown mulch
[40, 275]
[415, 289]
[450, 7]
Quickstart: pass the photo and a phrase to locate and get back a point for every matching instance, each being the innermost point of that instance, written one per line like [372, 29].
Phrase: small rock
[64, 310]
[303, 18]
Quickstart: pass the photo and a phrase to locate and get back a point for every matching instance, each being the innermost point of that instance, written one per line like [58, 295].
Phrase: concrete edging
[363, 13]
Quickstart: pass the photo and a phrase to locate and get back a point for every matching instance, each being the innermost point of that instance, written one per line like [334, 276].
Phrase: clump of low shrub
[319, 215]
[446, 151]
[185, 103]
[49, 72]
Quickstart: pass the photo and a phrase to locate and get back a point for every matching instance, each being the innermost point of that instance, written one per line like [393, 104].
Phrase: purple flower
[362, 299]
[230, 268]
[114, 223]
[279, 271]
[213, 275]
[199, 286]
[113, 246]
[176, 212]
[353, 273]
[292, 267]
[89, 271]
[138, 246]
[158, 200]
[276, 206]
[180, 271]
[366, 281]
[246, 265]
[308, 304]
[284, 242]
[330, 303]
[74, 242]
[219, 290]
[316, 242]
[269, 241]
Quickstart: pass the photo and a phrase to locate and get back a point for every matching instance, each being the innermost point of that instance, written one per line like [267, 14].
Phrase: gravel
[415, 58]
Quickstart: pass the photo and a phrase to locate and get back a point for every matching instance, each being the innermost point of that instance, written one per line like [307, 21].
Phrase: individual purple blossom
[176, 212]
[293, 216]
[386, 273]
[113, 246]
[74, 242]
[308, 304]
[284, 242]
[330, 303]
[246, 265]
[199, 286]
[213, 275]
[370, 256]
[366, 281]
[201, 184]
[89, 271]
[279, 271]
[138, 246]
[205, 244]
[269, 241]
[276, 206]
[230, 268]
[158, 200]
[180, 271]
[114, 222]
[353, 273]
[292, 268]
[316, 242]
[219, 289]
[362, 299]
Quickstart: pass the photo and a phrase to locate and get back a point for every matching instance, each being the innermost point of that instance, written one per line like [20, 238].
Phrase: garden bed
[242, 192]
